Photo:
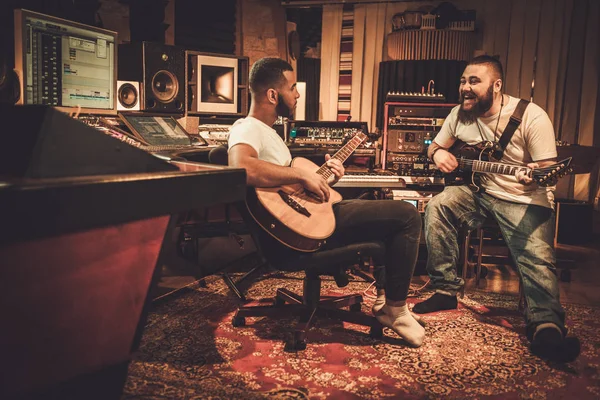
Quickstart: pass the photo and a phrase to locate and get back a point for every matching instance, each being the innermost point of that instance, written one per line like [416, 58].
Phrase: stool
[488, 225]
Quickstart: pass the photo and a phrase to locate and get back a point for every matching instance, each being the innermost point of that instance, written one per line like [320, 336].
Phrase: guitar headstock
[548, 176]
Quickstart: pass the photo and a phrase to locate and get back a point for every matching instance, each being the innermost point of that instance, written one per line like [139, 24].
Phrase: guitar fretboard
[491, 167]
[342, 154]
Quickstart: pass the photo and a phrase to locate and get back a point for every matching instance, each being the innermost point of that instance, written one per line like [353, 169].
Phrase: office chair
[309, 305]
[227, 225]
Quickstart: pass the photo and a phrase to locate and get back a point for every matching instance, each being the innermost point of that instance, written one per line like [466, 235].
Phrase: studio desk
[78, 255]
[78, 258]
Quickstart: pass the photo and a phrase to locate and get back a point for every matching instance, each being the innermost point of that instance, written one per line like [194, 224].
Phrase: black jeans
[395, 223]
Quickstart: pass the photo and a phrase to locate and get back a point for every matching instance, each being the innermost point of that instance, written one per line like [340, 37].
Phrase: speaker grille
[128, 96]
[164, 86]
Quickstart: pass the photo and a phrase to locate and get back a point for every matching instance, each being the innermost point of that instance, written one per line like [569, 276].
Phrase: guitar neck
[492, 167]
[342, 154]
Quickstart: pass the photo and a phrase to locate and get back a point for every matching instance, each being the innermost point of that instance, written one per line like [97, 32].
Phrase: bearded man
[524, 211]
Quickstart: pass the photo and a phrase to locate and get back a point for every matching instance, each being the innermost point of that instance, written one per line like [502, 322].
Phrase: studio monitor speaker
[128, 96]
[161, 70]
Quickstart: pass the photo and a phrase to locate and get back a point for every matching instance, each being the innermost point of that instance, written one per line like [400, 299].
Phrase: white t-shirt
[263, 138]
[532, 141]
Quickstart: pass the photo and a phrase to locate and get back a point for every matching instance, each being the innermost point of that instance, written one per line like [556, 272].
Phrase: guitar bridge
[293, 203]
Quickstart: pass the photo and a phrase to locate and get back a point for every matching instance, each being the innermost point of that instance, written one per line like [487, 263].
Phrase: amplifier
[419, 110]
[325, 133]
[411, 165]
[409, 130]
[415, 96]
[410, 121]
[409, 141]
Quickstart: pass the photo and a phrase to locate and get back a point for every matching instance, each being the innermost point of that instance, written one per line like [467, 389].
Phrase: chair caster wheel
[296, 344]
[376, 332]
[299, 345]
[565, 275]
[278, 301]
[238, 321]
[355, 307]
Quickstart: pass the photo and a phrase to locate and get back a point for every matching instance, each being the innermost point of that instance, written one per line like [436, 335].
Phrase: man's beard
[481, 106]
[282, 109]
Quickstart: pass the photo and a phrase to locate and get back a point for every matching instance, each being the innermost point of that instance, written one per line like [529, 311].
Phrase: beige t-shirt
[533, 141]
[262, 138]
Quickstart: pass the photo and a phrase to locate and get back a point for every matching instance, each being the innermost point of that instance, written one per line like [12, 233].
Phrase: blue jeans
[528, 230]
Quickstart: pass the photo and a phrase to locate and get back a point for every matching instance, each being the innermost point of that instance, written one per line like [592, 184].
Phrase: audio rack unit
[409, 129]
[324, 133]
[415, 96]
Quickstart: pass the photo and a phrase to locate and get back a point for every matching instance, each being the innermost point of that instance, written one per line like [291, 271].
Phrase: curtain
[549, 50]
[330, 61]
[309, 71]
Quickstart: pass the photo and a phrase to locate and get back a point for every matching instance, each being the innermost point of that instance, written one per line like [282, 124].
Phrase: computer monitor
[65, 64]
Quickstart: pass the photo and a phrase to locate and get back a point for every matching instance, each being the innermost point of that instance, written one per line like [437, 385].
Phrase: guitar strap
[509, 131]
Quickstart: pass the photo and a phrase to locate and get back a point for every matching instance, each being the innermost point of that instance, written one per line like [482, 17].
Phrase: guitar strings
[469, 162]
[325, 170]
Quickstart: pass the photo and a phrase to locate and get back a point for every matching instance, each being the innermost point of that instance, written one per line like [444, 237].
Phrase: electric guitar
[294, 216]
[476, 159]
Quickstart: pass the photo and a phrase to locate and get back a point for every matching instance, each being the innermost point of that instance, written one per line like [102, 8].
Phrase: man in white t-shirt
[255, 146]
[524, 211]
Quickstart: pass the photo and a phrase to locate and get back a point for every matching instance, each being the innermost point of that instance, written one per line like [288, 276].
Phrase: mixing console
[214, 134]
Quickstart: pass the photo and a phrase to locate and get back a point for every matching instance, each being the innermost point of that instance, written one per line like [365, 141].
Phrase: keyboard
[168, 147]
[370, 179]
[385, 179]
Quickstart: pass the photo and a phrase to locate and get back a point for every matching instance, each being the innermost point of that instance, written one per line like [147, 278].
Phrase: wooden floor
[583, 262]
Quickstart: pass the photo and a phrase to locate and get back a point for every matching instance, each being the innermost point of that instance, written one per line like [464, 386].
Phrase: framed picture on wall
[216, 84]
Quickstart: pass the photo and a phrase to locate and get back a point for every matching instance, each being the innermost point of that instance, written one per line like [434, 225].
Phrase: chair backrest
[218, 155]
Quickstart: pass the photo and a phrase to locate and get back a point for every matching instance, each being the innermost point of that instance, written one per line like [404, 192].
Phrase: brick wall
[263, 29]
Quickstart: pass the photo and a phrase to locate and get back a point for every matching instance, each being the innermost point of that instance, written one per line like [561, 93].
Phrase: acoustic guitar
[294, 216]
[477, 159]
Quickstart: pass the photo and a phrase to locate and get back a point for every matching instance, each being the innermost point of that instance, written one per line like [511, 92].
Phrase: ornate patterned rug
[190, 350]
